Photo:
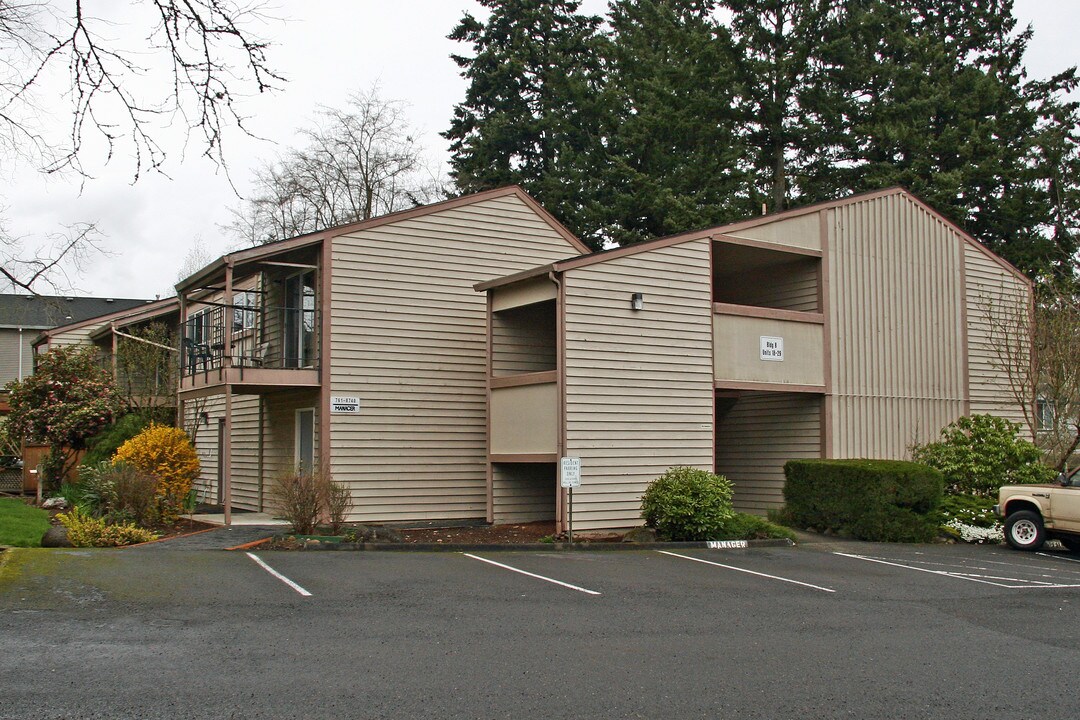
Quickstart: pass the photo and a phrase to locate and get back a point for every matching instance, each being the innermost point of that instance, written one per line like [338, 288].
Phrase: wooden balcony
[758, 348]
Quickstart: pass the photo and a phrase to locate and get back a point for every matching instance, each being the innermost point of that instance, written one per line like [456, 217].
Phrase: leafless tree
[29, 266]
[1038, 349]
[201, 56]
[356, 163]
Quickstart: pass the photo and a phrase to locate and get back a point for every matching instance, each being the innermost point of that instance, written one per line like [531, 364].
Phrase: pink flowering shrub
[69, 398]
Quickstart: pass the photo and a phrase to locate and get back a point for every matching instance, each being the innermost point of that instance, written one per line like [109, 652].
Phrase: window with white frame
[1045, 415]
[243, 311]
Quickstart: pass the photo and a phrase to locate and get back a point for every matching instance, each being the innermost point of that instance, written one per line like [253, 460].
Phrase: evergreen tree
[672, 160]
[773, 48]
[931, 95]
[529, 116]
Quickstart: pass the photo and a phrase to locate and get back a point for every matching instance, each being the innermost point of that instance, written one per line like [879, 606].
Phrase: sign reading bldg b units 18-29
[772, 348]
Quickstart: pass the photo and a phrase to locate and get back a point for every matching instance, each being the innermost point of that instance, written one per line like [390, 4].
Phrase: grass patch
[20, 524]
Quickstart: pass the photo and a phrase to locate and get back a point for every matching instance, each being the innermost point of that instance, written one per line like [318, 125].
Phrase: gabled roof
[655, 243]
[44, 311]
[300, 241]
[147, 309]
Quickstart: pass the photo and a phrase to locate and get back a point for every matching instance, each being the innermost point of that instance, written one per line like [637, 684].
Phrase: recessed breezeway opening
[756, 433]
[760, 277]
[523, 492]
[523, 339]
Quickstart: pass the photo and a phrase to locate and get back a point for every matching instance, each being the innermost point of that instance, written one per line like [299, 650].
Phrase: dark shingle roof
[45, 311]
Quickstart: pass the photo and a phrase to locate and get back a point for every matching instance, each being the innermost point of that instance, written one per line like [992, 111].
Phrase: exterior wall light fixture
[637, 301]
[205, 417]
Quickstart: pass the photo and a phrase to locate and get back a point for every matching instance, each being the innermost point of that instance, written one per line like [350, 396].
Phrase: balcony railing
[253, 337]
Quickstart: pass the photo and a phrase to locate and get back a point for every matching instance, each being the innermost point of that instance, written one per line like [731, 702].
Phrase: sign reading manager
[344, 405]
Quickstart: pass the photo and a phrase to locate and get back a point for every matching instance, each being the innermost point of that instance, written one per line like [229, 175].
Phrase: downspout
[560, 389]
[21, 350]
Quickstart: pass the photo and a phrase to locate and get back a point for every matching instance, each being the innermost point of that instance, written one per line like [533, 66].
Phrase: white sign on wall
[344, 405]
[772, 348]
[570, 474]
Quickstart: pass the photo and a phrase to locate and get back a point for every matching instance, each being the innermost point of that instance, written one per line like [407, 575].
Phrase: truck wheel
[1024, 530]
[1071, 544]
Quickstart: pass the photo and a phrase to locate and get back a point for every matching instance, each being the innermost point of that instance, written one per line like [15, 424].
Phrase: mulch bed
[484, 535]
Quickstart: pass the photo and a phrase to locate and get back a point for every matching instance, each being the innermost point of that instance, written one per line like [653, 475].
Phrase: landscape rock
[56, 537]
[640, 534]
[55, 503]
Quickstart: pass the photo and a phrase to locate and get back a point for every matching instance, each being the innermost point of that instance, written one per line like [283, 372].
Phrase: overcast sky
[326, 49]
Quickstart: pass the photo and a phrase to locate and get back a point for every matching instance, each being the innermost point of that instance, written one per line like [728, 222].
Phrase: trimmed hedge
[879, 500]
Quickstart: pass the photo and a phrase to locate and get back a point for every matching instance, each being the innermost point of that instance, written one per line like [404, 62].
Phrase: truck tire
[1071, 544]
[1024, 530]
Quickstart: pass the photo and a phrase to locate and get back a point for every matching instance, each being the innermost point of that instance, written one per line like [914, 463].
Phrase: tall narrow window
[305, 440]
[300, 320]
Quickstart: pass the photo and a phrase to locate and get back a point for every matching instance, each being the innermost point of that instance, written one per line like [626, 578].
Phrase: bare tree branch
[205, 45]
[48, 262]
[357, 163]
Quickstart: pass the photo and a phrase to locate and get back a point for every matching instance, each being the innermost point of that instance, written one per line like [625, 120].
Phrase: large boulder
[56, 537]
[640, 535]
[55, 503]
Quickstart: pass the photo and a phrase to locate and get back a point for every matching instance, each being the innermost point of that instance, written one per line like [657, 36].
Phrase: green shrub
[687, 504]
[101, 447]
[85, 530]
[970, 510]
[879, 500]
[743, 526]
[95, 490]
[978, 454]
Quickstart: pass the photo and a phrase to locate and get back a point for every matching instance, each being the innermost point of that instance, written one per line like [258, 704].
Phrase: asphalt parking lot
[851, 630]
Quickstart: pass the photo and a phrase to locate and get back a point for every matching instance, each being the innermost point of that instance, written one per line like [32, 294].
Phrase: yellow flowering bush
[166, 453]
[85, 530]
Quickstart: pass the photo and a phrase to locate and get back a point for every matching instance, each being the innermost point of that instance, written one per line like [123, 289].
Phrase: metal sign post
[570, 478]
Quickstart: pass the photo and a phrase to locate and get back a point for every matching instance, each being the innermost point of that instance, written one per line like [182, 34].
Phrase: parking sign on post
[571, 472]
[570, 478]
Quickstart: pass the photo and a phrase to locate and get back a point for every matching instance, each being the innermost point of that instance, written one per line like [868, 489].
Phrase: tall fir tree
[931, 95]
[530, 113]
[672, 161]
[773, 48]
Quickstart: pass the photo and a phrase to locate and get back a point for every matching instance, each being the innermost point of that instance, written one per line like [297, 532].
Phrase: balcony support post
[225, 451]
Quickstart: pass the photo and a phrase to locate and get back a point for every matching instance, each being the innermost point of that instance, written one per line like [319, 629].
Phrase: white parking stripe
[919, 569]
[532, 575]
[278, 575]
[1025, 583]
[749, 572]
[1058, 557]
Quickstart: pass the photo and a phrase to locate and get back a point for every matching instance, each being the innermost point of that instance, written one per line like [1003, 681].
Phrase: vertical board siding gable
[993, 294]
[896, 302]
[409, 338]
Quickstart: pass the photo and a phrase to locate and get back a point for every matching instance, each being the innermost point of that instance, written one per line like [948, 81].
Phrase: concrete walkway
[216, 539]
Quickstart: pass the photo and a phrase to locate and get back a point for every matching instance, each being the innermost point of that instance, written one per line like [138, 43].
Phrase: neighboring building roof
[611, 253]
[44, 311]
[272, 248]
[145, 310]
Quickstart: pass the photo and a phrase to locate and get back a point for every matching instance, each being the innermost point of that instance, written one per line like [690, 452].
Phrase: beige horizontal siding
[409, 337]
[206, 442]
[998, 303]
[757, 435]
[10, 348]
[897, 326]
[639, 384]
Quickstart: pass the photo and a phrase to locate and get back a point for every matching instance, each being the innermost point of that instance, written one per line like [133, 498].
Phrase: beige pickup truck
[1034, 514]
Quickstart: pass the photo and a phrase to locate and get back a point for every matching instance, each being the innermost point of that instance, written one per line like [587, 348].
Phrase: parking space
[879, 571]
[696, 633]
